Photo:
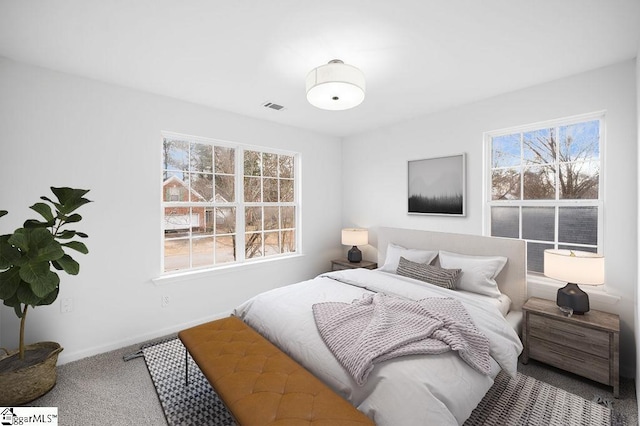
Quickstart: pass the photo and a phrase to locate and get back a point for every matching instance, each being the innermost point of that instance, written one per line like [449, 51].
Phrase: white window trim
[202, 273]
[486, 187]
[241, 261]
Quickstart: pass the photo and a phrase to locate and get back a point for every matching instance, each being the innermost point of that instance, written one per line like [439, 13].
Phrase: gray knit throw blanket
[379, 327]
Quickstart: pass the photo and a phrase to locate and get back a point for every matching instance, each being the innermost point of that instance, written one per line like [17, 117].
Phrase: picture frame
[437, 186]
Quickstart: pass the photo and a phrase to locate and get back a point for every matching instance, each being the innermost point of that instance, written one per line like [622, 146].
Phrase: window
[225, 204]
[545, 186]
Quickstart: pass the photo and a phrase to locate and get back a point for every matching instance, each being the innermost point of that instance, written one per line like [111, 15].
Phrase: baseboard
[66, 357]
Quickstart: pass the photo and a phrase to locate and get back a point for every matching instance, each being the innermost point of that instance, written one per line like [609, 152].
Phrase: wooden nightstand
[339, 264]
[586, 345]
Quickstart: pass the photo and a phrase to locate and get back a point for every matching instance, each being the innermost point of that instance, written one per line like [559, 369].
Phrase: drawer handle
[564, 355]
[568, 332]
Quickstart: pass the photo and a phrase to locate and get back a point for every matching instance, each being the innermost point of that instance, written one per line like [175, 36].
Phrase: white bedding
[502, 302]
[412, 390]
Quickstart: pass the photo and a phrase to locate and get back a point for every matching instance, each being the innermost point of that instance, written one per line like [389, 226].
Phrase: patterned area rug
[195, 404]
[520, 401]
[527, 401]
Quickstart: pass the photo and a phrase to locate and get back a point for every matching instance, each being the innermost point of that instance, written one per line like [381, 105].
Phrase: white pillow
[478, 272]
[394, 252]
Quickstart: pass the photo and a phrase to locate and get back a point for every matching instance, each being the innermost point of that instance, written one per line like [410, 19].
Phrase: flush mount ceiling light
[335, 86]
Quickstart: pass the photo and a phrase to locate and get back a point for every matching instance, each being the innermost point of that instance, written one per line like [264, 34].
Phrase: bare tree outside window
[201, 204]
[543, 179]
[268, 182]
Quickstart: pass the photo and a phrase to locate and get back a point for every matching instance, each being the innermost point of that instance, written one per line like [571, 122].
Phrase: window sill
[177, 277]
[540, 286]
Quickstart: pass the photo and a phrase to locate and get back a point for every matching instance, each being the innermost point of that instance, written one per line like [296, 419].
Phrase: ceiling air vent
[273, 106]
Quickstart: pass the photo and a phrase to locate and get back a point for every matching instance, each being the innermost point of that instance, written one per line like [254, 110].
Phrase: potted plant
[29, 259]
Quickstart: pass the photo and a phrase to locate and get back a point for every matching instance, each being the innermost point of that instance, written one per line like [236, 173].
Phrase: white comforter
[412, 390]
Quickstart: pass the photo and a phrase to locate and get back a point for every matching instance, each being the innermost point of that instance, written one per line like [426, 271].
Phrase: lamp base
[354, 255]
[572, 296]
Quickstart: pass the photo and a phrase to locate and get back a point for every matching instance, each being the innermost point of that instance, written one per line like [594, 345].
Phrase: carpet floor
[519, 401]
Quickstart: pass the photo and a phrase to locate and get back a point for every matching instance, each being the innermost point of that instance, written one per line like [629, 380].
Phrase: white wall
[375, 165]
[61, 130]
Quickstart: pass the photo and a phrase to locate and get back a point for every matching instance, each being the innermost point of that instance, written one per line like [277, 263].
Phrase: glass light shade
[355, 237]
[573, 266]
[335, 86]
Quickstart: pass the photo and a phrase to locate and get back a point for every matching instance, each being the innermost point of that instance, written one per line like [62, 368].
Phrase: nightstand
[340, 264]
[586, 345]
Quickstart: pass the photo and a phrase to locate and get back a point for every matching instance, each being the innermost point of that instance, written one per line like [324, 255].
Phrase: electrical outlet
[164, 302]
[66, 305]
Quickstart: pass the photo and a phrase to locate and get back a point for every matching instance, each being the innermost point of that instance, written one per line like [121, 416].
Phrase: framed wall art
[437, 186]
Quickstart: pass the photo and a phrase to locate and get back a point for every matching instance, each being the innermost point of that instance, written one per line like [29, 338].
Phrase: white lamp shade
[355, 237]
[573, 266]
[335, 86]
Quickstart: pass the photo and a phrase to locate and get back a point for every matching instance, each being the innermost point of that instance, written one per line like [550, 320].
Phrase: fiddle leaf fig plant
[31, 255]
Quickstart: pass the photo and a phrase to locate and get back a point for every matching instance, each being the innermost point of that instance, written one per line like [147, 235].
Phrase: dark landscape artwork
[437, 186]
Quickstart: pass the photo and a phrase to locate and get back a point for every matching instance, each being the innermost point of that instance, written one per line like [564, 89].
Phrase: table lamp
[575, 267]
[355, 237]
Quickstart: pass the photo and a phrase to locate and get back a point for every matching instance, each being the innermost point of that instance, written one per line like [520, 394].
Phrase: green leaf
[69, 265]
[56, 205]
[27, 296]
[44, 210]
[66, 194]
[32, 223]
[39, 238]
[9, 282]
[56, 265]
[70, 199]
[42, 246]
[34, 271]
[50, 298]
[3, 212]
[14, 302]
[8, 254]
[73, 218]
[66, 235]
[34, 240]
[77, 246]
[20, 238]
[52, 251]
[44, 286]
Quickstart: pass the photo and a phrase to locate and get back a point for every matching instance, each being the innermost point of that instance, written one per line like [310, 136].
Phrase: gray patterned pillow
[446, 278]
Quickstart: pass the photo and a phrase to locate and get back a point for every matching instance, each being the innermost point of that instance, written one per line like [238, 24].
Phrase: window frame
[557, 203]
[239, 204]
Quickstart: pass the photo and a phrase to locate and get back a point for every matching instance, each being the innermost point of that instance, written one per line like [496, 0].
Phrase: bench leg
[186, 367]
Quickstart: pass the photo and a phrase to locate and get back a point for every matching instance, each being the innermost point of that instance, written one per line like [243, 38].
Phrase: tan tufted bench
[259, 383]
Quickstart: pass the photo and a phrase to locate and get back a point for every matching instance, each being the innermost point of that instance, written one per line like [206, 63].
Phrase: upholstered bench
[259, 383]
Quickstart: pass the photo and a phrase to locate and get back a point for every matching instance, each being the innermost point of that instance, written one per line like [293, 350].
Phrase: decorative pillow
[478, 272]
[441, 277]
[394, 252]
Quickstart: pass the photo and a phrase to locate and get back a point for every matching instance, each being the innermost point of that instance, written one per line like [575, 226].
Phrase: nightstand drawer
[582, 363]
[595, 342]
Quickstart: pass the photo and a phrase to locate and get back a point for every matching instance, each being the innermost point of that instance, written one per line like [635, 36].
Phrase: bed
[440, 388]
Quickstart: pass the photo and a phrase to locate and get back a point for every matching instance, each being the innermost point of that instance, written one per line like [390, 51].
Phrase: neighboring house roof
[176, 179]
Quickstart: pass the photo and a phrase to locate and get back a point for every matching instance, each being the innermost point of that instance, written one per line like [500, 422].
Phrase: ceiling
[417, 56]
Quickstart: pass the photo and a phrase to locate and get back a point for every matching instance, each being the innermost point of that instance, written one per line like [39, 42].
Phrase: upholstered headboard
[512, 281]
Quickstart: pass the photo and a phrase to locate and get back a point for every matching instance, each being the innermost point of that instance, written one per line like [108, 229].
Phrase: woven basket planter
[24, 384]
